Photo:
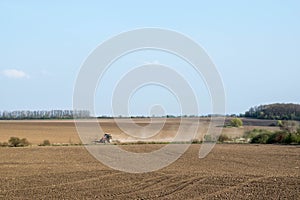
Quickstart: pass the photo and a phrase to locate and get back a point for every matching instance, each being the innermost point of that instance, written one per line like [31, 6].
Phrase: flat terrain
[64, 131]
[230, 171]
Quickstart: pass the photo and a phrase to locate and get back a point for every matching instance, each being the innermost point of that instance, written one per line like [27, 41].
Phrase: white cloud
[14, 73]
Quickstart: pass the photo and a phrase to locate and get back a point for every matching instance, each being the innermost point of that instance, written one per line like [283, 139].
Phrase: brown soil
[229, 172]
[64, 131]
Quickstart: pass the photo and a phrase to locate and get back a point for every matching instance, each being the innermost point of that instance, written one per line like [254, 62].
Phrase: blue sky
[255, 46]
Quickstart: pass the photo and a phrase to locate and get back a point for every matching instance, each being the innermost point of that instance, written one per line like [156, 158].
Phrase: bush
[141, 142]
[45, 143]
[223, 138]
[236, 122]
[255, 132]
[3, 144]
[291, 139]
[24, 142]
[260, 138]
[196, 141]
[17, 142]
[277, 137]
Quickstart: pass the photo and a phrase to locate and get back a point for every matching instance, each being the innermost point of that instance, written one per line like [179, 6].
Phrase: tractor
[105, 139]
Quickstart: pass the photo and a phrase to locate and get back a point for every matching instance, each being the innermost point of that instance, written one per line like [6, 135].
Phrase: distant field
[230, 171]
[64, 131]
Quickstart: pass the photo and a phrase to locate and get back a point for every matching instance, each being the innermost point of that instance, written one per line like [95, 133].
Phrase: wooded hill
[278, 111]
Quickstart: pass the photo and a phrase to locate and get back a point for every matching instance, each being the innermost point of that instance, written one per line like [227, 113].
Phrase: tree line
[278, 111]
[44, 114]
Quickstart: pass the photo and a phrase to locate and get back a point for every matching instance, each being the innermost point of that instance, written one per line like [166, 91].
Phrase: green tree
[236, 122]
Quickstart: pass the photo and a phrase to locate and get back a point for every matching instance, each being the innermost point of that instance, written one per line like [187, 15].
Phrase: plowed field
[229, 172]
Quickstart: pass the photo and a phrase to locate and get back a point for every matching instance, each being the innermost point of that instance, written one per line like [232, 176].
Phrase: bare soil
[230, 171]
[64, 131]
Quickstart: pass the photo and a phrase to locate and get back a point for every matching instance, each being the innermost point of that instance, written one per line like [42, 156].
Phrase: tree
[277, 111]
[17, 142]
[236, 122]
[42, 114]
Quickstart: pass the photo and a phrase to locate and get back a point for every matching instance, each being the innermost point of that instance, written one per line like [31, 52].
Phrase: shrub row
[15, 142]
[277, 137]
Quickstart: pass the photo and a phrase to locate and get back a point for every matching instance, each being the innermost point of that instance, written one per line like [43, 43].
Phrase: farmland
[232, 171]
[64, 131]
[229, 171]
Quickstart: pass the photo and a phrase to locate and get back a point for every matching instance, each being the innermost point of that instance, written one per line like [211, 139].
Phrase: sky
[254, 45]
